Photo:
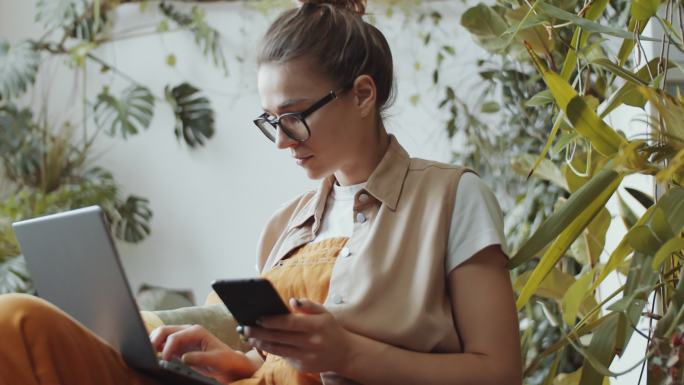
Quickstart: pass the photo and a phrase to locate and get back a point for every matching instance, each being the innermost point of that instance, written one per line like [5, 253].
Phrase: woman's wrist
[357, 347]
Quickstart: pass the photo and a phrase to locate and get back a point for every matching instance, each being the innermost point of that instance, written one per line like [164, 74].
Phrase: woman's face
[335, 134]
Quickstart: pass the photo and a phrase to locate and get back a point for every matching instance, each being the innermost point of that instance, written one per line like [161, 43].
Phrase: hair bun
[357, 6]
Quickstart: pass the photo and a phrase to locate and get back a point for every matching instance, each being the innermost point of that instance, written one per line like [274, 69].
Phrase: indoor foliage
[46, 167]
[565, 46]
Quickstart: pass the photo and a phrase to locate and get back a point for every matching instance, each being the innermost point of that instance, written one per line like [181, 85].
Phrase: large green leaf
[619, 71]
[486, 25]
[577, 205]
[589, 25]
[554, 286]
[60, 13]
[584, 208]
[641, 197]
[127, 115]
[18, 68]
[629, 218]
[583, 118]
[672, 204]
[577, 295]
[589, 245]
[536, 35]
[547, 170]
[629, 93]
[130, 219]
[671, 246]
[194, 116]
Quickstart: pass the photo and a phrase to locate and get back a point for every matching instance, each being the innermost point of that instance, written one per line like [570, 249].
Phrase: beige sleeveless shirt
[389, 282]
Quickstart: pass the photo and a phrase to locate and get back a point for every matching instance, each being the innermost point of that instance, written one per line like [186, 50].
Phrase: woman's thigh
[40, 344]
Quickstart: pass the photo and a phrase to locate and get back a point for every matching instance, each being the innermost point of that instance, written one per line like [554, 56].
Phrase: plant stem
[135, 36]
[116, 70]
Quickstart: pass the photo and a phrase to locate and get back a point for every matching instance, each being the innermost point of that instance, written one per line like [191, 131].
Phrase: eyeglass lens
[292, 126]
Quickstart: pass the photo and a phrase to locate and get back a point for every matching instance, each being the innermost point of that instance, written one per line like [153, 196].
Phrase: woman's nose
[283, 141]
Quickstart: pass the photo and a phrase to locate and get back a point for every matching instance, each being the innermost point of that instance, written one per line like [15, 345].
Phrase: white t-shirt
[476, 222]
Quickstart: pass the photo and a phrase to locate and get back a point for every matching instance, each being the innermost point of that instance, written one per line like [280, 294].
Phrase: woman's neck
[366, 160]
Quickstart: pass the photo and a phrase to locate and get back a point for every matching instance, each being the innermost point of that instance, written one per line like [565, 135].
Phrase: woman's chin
[316, 173]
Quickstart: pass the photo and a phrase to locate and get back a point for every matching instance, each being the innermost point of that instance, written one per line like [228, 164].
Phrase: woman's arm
[312, 340]
[486, 318]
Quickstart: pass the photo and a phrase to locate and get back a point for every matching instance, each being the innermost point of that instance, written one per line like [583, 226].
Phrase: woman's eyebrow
[291, 102]
[286, 104]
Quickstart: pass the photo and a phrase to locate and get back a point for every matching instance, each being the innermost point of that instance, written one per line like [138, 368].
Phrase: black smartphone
[249, 299]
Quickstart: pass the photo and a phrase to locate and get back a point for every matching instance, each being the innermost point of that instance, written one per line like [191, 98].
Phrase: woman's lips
[302, 160]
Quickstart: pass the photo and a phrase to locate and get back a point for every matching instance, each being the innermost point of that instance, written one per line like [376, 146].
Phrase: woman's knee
[16, 309]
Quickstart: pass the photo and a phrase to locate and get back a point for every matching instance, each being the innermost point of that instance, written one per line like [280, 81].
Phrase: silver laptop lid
[74, 265]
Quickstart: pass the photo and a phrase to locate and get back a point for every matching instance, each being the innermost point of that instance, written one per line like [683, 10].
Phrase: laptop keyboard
[177, 366]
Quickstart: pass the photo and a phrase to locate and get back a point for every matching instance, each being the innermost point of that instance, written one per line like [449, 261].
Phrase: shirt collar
[384, 184]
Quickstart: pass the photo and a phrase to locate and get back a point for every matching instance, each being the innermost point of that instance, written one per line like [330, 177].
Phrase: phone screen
[249, 299]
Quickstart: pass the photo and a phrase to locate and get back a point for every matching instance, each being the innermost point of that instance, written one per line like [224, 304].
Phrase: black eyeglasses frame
[301, 116]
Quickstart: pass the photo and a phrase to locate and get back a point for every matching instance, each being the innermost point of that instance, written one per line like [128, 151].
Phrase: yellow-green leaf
[604, 138]
[641, 11]
[554, 286]
[671, 246]
[575, 297]
[579, 39]
[586, 198]
[586, 212]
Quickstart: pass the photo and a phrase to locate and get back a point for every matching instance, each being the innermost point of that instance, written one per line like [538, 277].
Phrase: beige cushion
[213, 316]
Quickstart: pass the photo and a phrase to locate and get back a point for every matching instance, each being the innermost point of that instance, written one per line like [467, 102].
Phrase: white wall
[210, 204]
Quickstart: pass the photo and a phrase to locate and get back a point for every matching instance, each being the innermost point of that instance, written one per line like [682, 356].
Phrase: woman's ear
[364, 95]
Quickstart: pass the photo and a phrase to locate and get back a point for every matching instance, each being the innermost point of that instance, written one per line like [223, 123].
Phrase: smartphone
[249, 299]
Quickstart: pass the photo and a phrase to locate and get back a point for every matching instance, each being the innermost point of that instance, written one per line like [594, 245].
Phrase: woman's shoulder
[420, 164]
[294, 205]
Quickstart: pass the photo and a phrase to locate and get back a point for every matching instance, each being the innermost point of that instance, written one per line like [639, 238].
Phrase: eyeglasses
[293, 124]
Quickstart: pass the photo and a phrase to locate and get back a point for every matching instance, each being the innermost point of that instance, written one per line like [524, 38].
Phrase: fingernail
[240, 330]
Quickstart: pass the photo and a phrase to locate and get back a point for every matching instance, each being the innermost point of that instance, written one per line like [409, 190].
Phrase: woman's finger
[183, 341]
[303, 305]
[159, 335]
[278, 349]
[296, 322]
[297, 339]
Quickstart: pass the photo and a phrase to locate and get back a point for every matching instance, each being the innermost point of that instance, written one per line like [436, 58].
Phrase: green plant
[47, 169]
[560, 46]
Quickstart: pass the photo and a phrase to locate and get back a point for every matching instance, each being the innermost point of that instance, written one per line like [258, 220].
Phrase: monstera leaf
[129, 114]
[194, 116]
[60, 13]
[14, 277]
[18, 68]
[130, 219]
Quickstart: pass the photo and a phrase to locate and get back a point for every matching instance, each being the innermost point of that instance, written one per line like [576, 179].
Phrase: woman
[393, 267]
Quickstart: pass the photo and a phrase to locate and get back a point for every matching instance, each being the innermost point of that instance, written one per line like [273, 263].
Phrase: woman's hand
[202, 351]
[310, 339]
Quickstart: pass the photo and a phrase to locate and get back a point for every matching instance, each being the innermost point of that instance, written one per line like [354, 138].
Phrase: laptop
[74, 265]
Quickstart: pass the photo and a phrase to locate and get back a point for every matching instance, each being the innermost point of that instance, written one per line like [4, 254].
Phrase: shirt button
[363, 198]
[360, 217]
[345, 252]
[337, 299]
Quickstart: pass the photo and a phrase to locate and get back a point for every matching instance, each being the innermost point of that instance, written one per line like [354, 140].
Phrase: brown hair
[340, 42]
